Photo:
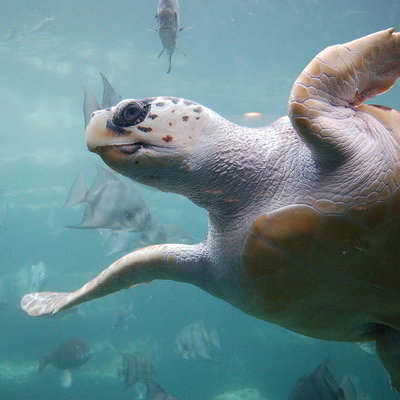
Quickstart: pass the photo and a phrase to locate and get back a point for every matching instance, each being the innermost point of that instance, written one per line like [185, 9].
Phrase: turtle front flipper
[328, 94]
[184, 263]
[388, 351]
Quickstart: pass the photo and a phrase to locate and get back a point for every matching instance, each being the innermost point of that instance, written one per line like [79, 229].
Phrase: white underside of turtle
[304, 214]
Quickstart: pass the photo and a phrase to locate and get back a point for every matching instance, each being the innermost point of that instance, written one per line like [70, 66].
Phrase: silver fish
[66, 357]
[40, 26]
[121, 315]
[156, 392]
[90, 103]
[197, 340]
[111, 204]
[168, 26]
[136, 367]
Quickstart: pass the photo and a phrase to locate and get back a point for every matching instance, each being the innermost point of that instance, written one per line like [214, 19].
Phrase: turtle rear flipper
[326, 95]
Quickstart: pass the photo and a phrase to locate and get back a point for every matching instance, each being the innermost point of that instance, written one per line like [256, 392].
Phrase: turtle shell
[330, 276]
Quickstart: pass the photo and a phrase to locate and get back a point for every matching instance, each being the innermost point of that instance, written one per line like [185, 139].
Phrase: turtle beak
[103, 138]
[101, 131]
[97, 134]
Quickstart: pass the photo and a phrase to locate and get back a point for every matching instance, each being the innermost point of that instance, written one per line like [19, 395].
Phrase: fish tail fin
[43, 361]
[170, 63]
[161, 52]
[66, 379]
[77, 193]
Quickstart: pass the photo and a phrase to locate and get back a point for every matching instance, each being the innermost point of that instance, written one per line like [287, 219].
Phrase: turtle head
[149, 139]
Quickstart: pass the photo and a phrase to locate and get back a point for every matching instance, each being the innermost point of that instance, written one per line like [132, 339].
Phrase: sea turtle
[304, 214]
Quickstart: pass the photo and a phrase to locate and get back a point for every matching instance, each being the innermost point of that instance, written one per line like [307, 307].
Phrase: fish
[38, 277]
[67, 356]
[40, 25]
[111, 204]
[90, 103]
[156, 392]
[167, 17]
[122, 315]
[321, 385]
[197, 341]
[136, 368]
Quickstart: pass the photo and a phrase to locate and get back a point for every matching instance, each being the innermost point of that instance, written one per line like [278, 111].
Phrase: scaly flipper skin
[327, 94]
[144, 265]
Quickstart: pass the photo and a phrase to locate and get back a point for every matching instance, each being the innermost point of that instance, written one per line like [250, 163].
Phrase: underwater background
[238, 56]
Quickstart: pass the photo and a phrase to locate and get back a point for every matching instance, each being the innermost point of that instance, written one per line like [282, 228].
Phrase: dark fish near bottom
[67, 356]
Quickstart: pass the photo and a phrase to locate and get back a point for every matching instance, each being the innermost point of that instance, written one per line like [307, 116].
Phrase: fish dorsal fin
[77, 192]
[110, 97]
[90, 105]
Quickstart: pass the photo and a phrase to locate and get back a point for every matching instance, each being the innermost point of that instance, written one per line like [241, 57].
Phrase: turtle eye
[130, 114]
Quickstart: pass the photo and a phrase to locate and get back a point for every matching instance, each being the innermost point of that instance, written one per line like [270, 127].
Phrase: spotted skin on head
[169, 117]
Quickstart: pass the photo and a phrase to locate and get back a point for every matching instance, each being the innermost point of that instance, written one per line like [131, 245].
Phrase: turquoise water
[241, 56]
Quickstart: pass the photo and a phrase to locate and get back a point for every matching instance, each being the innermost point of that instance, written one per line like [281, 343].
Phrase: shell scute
[291, 230]
[356, 246]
